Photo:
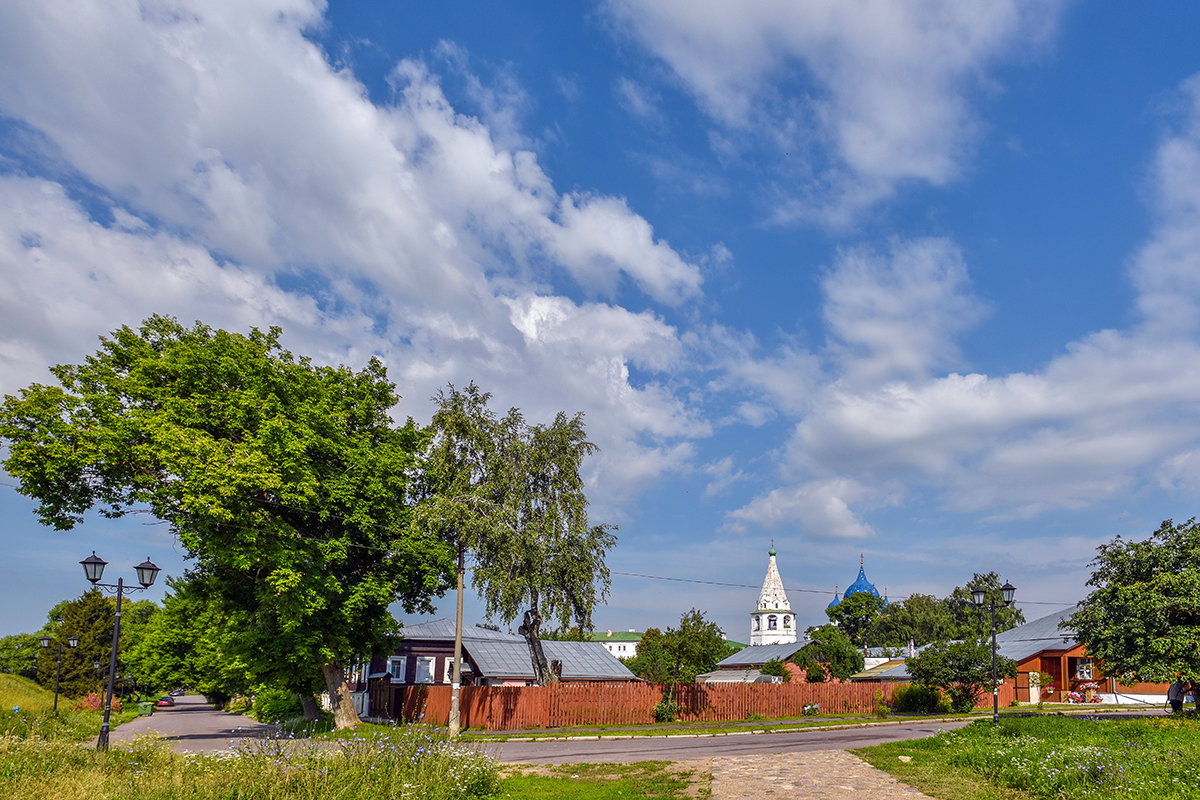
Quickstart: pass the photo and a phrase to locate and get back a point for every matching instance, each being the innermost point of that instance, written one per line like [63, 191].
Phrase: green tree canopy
[829, 646]
[962, 669]
[1142, 618]
[680, 654]
[19, 655]
[285, 481]
[855, 615]
[974, 622]
[921, 619]
[89, 617]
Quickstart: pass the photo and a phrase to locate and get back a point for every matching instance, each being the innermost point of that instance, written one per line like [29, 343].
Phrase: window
[756, 623]
[1083, 669]
[772, 622]
[787, 622]
[448, 672]
[396, 666]
[424, 669]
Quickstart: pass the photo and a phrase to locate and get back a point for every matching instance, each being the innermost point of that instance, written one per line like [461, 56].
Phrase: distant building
[861, 584]
[622, 644]
[772, 621]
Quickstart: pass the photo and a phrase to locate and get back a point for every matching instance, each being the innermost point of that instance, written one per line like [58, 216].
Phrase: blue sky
[918, 281]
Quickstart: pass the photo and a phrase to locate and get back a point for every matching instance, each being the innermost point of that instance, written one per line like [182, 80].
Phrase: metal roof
[580, 660]
[444, 629]
[760, 654]
[737, 676]
[1033, 637]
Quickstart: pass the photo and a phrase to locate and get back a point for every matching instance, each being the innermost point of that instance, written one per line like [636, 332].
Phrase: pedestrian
[1175, 693]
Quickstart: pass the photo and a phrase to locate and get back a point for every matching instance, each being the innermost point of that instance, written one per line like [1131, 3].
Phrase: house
[490, 658]
[622, 644]
[1039, 647]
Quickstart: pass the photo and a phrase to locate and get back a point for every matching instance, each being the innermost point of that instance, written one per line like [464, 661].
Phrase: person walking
[1175, 693]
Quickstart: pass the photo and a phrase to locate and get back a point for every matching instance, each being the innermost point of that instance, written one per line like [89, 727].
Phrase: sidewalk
[818, 775]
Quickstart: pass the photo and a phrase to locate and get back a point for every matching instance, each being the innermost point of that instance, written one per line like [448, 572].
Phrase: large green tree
[962, 669]
[89, 617]
[543, 559]
[680, 654]
[975, 622]
[286, 482]
[19, 654]
[855, 615]
[920, 618]
[829, 646]
[1142, 617]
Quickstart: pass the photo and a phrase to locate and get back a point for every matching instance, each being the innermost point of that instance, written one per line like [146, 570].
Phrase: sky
[916, 283]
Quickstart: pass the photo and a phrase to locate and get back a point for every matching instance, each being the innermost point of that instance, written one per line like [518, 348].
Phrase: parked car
[165, 700]
[177, 693]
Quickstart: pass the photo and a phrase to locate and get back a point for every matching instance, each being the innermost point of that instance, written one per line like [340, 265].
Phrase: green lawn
[1052, 757]
[648, 780]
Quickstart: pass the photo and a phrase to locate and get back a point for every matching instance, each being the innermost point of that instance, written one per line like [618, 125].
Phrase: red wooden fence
[495, 708]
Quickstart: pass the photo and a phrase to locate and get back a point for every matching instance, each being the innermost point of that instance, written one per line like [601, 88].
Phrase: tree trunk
[308, 703]
[456, 678]
[344, 715]
[530, 629]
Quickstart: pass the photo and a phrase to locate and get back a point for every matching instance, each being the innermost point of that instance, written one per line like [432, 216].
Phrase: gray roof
[759, 654]
[737, 676]
[504, 655]
[1033, 637]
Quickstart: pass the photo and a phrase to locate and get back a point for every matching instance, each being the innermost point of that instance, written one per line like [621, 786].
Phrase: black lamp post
[93, 568]
[46, 641]
[979, 596]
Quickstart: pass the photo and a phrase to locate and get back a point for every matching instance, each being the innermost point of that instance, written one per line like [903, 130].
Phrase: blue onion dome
[861, 584]
[836, 600]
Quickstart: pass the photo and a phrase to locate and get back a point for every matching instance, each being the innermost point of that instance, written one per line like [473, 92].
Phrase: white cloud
[1112, 415]
[884, 86]
[820, 509]
[240, 160]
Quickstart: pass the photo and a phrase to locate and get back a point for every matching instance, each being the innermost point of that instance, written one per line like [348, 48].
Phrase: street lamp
[46, 641]
[93, 568]
[979, 597]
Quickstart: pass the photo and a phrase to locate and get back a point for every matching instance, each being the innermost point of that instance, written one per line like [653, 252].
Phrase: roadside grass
[26, 711]
[646, 780]
[1052, 757]
[422, 765]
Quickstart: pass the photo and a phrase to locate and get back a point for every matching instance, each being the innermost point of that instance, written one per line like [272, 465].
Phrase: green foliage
[417, 762]
[775, 667]
[829, 646]
[90, 617]
[192, 643]
[19, 654]
[511, 495]
[921, 619]
[961, 669]
[914, 698]
[680, 654]
[1142, 619]
[34, 718]
[665, 710]
[816, 673]
[272, 704]
[286, 482]
[645, 780]
[855, 615]
[571, 634]
[975, 622]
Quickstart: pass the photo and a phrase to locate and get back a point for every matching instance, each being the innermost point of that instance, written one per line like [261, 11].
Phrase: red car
[165, 701]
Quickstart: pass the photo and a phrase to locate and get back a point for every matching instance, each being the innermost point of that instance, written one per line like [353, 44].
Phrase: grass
[27, 711]
[422, 765]
[1052, 757]
[647, 780]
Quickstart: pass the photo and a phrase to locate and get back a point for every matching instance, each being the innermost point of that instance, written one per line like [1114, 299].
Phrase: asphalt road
[647, 748]
[193, 725]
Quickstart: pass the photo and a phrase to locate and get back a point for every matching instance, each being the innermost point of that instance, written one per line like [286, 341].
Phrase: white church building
[772, 621]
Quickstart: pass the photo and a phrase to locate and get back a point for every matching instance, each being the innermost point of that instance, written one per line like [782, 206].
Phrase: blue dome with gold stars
[861, 584]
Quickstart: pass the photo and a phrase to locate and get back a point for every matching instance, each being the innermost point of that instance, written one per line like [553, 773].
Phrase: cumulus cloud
[1112, 414]
[878, 92]
[250, 181]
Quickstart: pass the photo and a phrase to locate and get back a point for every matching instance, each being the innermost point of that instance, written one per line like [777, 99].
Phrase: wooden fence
[495, 708]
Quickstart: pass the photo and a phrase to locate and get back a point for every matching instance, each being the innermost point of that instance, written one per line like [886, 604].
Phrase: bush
[816, 674]
[917, 699]
[666, 710]
[273, 705]
[775, 667]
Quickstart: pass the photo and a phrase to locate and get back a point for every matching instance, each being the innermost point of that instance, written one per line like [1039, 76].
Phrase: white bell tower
[772, 622]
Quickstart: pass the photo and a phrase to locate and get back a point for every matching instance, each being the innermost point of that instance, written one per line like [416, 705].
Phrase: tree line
[304, 509]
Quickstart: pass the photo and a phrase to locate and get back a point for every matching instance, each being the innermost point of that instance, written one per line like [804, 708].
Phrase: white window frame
[430, 664]
[402, 663]
[772, 623]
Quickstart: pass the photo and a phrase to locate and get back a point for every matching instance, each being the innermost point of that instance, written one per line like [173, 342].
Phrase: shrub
[917, 699]
[816, 674]
[775, 667]
[666, 710]
[273, 705]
